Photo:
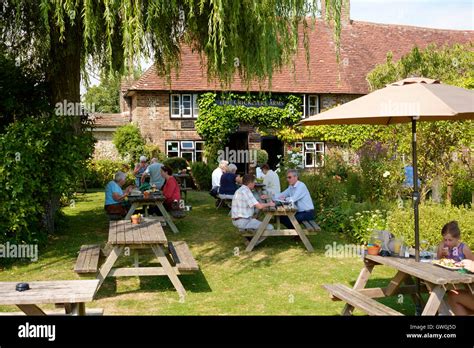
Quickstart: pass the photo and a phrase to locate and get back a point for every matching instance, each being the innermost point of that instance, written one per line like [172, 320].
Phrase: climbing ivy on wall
[217, 121]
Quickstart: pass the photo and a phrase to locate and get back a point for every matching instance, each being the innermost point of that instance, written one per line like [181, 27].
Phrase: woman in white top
[271, 181]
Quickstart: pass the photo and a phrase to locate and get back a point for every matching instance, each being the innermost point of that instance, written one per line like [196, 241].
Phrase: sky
[442, 14]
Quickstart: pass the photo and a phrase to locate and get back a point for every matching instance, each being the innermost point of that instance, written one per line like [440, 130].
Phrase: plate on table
[448, 264]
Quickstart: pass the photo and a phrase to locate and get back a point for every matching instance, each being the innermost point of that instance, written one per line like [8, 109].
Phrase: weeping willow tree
[64, 37]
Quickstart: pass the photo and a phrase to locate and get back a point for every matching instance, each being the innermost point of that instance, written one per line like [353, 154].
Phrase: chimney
[345, 11]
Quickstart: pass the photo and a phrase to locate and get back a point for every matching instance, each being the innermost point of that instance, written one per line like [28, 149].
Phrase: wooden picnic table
[181, 178]
[128, 238]
[155, 198]
[433, 279]
[73, 294]
[276, 212]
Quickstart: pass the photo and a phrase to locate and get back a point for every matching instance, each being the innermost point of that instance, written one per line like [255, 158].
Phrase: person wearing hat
[139, 170]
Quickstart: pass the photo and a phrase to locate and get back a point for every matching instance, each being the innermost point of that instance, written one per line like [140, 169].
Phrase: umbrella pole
[416, 201]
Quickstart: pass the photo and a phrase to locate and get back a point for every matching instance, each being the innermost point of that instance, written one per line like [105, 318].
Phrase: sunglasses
[289, 177]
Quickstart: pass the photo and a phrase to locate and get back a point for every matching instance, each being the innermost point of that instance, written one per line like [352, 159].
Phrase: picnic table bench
[175, 258]
[434, 280]
[269, 213]
[69, 294]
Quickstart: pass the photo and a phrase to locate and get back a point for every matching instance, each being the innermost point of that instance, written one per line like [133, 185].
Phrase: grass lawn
[278, 278]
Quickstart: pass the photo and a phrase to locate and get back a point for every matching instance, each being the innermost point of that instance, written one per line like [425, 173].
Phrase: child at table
[451, 247]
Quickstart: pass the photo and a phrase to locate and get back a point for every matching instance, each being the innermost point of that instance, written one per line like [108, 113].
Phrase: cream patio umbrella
[406, 101]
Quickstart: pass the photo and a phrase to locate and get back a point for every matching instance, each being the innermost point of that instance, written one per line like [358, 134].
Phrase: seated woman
[115, 203]
[228, 183]
[170, 189]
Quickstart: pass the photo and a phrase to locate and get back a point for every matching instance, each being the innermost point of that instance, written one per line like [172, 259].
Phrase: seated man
[216, 177]
[115, 203]
[299, 194]
[228, 184]
[243, 206]
[154, 172]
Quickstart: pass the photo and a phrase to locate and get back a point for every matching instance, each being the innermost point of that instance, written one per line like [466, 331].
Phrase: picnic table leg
[109, 263]
[359, 284]
[259, 232]
[416, 298]
[395, 283]
[78, 308]
[169, 270]
[167, 217]
[434, 301]
[300, 232]
[31, 309]
[131, 211]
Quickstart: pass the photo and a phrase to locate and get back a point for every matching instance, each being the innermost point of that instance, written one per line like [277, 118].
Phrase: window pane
[175, 103]
[189, 156]
[309, 159]
[187, 145]
[313, 105]
[199, 145]
[309, 146]
[195, 106]
[320, 147]
[199, 156]
[172, 146]
[186, 105]
[172, 154]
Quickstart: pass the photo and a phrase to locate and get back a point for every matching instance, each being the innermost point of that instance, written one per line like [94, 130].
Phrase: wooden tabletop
[41, 292]
[423, 270]
[279, 210]
[154, 197]
[123, 232]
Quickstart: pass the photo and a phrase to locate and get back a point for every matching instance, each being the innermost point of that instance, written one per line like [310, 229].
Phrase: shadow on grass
[192, 283]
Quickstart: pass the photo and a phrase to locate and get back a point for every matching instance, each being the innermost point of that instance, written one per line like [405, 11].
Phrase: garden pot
[135, 220]
[146, 194]
[373, 250]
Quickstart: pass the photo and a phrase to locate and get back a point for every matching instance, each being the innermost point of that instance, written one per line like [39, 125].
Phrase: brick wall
[150, 111]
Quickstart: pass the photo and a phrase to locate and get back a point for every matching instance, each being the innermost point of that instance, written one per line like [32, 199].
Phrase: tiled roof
[111, 120]
[363, 46]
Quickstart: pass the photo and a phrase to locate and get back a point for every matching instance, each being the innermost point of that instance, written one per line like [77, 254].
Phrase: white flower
[386, 174]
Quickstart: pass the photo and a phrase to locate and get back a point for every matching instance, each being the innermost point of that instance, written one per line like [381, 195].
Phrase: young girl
[451, 247]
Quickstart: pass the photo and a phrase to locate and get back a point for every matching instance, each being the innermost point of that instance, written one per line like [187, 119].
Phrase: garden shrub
[262, 157]
[201, 173]
[176, 163]
[153, 151]
[129, 142]
[100, 172]
[41, 160]
[432, 218]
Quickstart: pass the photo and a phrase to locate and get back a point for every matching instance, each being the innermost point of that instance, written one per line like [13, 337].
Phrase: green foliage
[115, 34]
[262, 157]
[432, 219]
[129, 142]
[40, 158]
[100, 172]
[176, 163]
[362, 224]
[202, 174]
[105, 97]
[153, 151]
[382, 173]
[217, 122]
[461, 176]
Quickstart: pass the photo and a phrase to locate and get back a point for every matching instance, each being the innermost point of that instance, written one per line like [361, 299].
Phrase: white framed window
[303, 106]
[312, 152]
[175, 105]
[195, 106]
[172, 148]
[191, 150]
[186, 103]
[313, 105]
[184, 106]
[199, 151]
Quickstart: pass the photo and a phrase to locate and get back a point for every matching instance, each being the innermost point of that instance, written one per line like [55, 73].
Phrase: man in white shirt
[216, 177]
[271, 181]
